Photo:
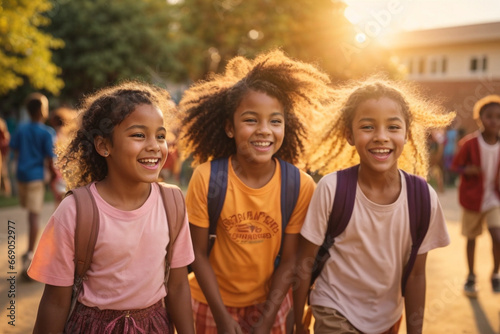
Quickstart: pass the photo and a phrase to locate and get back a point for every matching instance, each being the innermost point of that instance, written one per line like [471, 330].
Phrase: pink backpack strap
[175, 208]
[86, 231]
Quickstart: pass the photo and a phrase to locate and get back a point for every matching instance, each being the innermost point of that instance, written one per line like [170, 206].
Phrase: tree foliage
[108, 41]
[25, 50]
[210, 32]
[184, 40]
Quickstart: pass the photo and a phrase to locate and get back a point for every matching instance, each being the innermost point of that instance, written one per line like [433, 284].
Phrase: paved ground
[447, 310]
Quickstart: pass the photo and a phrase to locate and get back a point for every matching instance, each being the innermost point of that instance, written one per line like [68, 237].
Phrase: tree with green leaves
[185, 40]
[109, 41]
[210, 32]
[25, 50]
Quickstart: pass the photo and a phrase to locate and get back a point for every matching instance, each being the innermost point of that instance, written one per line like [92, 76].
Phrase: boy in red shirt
[478, 163]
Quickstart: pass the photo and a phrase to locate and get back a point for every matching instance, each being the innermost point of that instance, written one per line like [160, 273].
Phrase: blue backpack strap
[216, 196]
[217, 187]
[343, 204]
[419, 210]
[290, 187]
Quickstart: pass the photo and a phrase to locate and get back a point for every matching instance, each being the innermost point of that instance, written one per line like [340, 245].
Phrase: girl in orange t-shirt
[253, 114]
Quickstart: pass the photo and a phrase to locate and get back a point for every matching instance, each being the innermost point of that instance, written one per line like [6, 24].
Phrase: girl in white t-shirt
[119, 149]
[359, 288]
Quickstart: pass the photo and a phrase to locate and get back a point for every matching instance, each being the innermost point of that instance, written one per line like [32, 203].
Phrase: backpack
[87, 230]
[217, 187]
[419, 208]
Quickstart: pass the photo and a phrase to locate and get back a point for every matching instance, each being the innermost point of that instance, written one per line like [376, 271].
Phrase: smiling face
[258, 128]
[138, 149]
[378, 132]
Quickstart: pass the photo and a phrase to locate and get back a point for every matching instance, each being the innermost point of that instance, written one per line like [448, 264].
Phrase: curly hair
[206, 106]
[98, 115]
[331, 151]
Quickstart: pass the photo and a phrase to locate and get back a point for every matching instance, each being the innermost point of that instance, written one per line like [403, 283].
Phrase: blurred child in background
[33, 146]
[478, 163]
[64, 123]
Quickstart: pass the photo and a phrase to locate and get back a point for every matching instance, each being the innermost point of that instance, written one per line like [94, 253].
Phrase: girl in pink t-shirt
[119, 149]
[381, 127]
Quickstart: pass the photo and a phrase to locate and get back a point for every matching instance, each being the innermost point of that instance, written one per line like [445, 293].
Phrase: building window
[444, 65]
[434, 66]
[473, 64]
[421, 66]
[485, 63]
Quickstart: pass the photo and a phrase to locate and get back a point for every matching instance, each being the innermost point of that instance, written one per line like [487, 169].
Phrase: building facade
[457, 65]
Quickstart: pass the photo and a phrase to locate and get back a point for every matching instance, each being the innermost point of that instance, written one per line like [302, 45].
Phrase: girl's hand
[263, 327]
[302, 330]
[229, 326]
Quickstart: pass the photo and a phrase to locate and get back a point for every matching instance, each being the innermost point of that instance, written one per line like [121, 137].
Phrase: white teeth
[381, 151]
[264, 144]
[146, 161]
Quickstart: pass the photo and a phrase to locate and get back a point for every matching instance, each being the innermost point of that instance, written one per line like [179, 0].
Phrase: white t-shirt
[489, 165]
[128, 267]
[362, 277]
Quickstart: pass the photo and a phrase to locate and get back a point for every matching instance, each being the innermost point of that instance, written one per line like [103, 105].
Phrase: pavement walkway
[447, 309]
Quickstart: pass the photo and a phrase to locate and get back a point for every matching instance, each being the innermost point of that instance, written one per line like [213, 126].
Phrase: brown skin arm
[281, 280]
[53, 310]
[305, 260]
[52, 169]
[208, 282]
[472, 170]
[178, 301]
[415, 296]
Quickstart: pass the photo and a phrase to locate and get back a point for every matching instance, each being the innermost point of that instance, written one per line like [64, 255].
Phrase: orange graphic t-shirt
[248, 233]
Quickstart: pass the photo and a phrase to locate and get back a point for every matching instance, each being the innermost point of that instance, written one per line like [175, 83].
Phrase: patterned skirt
[91, 320]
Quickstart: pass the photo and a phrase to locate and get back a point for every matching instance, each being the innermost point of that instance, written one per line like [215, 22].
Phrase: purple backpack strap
[343, 204]
[419, 210]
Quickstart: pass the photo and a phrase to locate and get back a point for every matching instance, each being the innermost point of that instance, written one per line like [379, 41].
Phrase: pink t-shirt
[362, 277]
[128, 266]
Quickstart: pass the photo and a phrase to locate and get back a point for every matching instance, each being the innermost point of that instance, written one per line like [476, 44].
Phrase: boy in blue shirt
[33, 146]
